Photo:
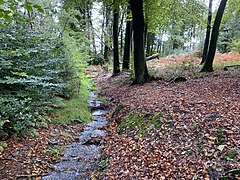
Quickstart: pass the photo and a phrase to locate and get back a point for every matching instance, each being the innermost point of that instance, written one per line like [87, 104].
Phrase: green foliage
[27, 77]
[230, 28]
[235, 46]
[12, 9]
[221, 64]
[16, 115]
[188, 64]
[102, 164]
[2, 145]
[36, 68]
[53, 152]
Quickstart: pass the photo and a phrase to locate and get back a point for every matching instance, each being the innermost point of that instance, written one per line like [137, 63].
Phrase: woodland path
[80, 159]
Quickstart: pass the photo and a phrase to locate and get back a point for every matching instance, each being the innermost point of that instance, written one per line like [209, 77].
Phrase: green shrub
[235, 46]
[39, 68]
[16, 115]
[34, 69]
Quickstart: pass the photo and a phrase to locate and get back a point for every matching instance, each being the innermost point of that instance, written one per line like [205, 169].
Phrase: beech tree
[127, 44]
[208, 65]
[105, 36]
[116, 68]
[208, 31]
[140, 66]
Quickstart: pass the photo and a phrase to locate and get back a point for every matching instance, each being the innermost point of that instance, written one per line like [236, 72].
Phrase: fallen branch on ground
[154, 56]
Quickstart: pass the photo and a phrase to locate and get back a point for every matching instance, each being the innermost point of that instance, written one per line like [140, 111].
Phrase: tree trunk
[116, 68]
[206, 43]
[127, 46]
[102, 34]
[121, 31]
[92, 40]
[150, 43]
[140, 67]
[208, 65]
[105, 37]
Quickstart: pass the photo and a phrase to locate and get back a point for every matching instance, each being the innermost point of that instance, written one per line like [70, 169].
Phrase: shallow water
[81, 158]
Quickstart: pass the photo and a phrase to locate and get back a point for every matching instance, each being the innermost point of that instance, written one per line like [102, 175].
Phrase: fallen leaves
[31, 157]
[200, 125]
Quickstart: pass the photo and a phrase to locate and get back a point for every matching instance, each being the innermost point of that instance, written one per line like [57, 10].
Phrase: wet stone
[99, 112]
[95, 104]
[62, 175]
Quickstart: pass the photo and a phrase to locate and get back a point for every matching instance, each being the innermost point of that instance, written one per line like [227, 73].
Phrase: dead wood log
[154, 56]
[232, 66]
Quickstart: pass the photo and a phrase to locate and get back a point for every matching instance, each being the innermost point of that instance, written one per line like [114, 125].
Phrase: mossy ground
[140, 122]
[75, 108]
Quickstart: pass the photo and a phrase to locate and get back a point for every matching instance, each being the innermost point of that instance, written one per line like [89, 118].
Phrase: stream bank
[81, 158]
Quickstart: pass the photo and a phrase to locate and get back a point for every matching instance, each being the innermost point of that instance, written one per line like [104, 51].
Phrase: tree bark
[150, 43]
[92, 40]
[102, 34]
[116, 68]
[208, 65]
[121, 31]
[127, 46]
[140, 67]
[206, 43]
[105, 37]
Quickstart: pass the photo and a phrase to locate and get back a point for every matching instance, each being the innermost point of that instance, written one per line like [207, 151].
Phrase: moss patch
[140, 122]
[75, 108]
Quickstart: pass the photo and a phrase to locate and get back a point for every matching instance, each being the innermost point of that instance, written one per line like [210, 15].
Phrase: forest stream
[81, 158]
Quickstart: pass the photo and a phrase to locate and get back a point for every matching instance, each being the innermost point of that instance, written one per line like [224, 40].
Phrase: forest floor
[163, 129]
[170, 128]
[31, 157]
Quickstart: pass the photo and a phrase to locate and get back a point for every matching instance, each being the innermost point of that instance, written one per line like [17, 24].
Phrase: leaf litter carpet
[198, 136]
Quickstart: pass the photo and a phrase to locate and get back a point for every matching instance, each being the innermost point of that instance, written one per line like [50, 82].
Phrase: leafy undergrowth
[27, 157]
[31, 157]
[197, 131]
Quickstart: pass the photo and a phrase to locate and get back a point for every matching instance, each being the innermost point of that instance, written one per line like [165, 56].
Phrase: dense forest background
[46, 46]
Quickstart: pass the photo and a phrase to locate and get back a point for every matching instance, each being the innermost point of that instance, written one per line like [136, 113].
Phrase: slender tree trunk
[121, 44]
[206, 43]
[147, 40]
[152, 47]
[102, 35]
[127, 46]
[106, 37]
[150, 43]
[120, 31]
[208, 65]
[140, 68]
[92, 40]
[116, 68]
